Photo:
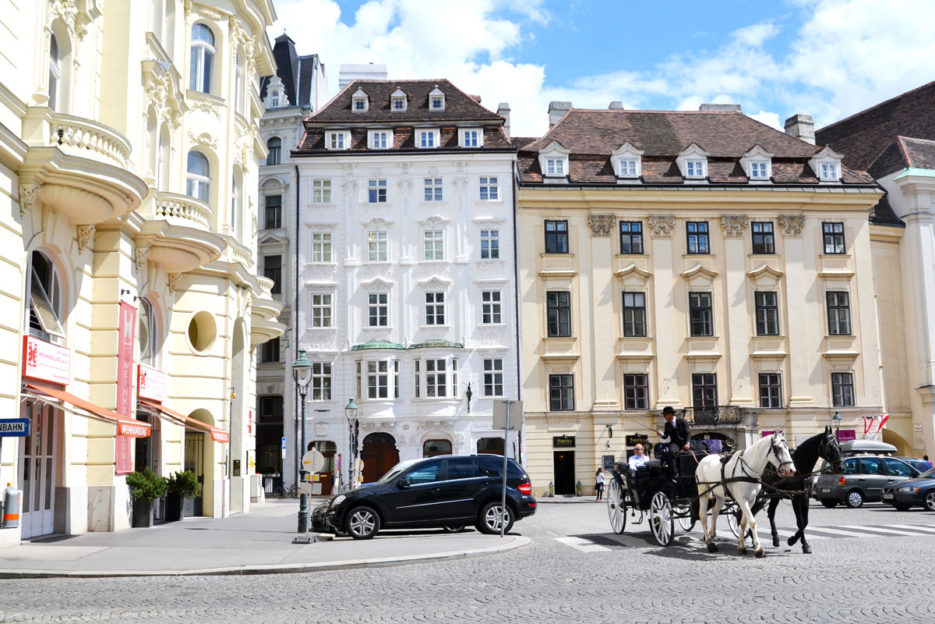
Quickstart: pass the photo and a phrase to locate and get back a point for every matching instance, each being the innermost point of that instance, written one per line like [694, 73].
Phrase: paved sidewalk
[259, 542]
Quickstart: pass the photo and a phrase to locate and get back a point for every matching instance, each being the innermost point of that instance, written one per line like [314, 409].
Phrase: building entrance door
[195, 461]
[379, 455]
[37, 467]
[564, 463]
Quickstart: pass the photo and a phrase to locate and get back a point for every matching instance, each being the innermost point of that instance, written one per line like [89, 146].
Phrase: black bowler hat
[668, 410]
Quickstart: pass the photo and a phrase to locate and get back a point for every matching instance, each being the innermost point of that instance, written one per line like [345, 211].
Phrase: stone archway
[379, 455]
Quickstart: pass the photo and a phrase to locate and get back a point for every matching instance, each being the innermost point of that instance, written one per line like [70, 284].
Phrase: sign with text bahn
[14, 427]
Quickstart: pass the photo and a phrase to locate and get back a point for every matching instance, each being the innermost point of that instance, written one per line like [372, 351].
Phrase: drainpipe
[516, 295]
[295, 326]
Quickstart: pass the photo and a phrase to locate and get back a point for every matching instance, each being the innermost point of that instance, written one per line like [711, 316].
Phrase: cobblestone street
[869, 565]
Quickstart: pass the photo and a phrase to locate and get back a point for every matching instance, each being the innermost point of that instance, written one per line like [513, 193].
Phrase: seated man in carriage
[678, 435]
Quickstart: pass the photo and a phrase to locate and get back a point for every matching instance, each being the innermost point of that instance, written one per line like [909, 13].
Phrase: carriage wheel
[686, 515]
[616, 507]
[733, 520]
[661, 520]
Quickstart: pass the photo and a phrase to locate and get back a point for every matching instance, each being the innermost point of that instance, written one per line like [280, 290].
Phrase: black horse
[824, 446]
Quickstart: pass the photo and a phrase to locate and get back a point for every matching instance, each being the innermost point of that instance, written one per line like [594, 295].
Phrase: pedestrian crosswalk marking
[880, 529]
[913, 527]
[582, 544]
[836, 531]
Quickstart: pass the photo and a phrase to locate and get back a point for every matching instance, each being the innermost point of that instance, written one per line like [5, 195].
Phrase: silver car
[863, 480]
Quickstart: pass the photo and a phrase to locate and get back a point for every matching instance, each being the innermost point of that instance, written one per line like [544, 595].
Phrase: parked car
[919, 464]
[863, 480]
[918, 491]
[867, 447]
[448, 491]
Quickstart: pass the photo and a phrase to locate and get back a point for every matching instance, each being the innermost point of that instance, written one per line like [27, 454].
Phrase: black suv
[447, 491]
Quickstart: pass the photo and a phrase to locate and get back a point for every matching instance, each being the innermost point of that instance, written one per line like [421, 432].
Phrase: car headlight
[908, 488]
[338, 500]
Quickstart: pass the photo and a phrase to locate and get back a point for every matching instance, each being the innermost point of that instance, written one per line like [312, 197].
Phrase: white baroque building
[406, 283]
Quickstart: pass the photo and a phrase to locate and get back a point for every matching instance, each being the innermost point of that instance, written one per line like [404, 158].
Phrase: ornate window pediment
[377, 283]
[827, 165]
[757, 164]
[765, 275]
[699, 275]
[435, 282]
[627, 161]
[553, 160]
[693, 162]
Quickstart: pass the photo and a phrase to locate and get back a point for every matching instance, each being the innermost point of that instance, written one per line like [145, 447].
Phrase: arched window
[44, 299]
[147, 333]
[235, 205]
[274, 147]
[490, 445]
[162, 158]
[55, 72]
[238, 83]
[431, 448]
[198, 178]
[202, 58]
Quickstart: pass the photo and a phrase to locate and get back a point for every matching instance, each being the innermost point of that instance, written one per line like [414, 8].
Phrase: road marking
[837, 532]
[913, 527]
[879, 529]
[582, 544]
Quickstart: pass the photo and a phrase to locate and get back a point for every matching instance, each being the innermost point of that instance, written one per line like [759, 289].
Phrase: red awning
[218, 435]
[125, 426]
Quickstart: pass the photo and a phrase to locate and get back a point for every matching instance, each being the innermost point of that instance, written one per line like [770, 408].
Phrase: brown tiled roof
[870, 135]
[882, 213]
[592, 135]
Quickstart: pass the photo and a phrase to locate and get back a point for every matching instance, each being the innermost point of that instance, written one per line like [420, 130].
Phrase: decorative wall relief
[792, 225]
[734, 226]
[661, 227]
[601, 225]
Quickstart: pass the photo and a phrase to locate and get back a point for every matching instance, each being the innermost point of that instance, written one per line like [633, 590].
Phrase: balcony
[178, 231]
[708, 417]
[180, 210]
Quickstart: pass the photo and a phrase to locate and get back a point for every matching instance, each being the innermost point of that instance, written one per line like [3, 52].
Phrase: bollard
[12, 502]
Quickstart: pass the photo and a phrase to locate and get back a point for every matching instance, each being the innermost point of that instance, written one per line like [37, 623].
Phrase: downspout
[295, 330]
[516, 327]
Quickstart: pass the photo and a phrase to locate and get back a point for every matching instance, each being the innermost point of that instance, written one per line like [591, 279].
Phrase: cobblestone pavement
[575, 570]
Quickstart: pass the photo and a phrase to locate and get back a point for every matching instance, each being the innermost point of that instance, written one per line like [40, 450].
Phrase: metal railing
[714, 416]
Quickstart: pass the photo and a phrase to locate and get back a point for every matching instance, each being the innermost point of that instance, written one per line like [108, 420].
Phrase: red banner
[126, 337]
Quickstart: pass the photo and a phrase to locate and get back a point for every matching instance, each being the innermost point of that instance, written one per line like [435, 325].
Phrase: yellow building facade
[131, 302]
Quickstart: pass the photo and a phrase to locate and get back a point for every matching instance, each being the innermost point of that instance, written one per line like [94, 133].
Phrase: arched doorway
[379, 455]
[200, 459]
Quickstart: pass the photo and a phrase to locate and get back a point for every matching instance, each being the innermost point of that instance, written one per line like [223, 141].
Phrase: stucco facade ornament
[206, 107]
[734, 226]
[405, 186]
[661, 227]
[792, 225]
[203, 139]
[66, 10]
[85, 232]
[348, 186]
[601, 225]
[27, 197]
[140, 258]
[173, 281]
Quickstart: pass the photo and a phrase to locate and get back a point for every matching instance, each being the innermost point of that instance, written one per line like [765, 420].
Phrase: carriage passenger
[638, 458]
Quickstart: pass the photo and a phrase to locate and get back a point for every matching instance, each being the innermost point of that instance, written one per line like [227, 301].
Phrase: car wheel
[454, 528]
[855, 499]
[488, 520]
[930, 500]
[901, 507]
[362, 523]
[829, 503]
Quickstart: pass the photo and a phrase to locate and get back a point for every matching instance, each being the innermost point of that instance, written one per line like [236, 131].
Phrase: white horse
[738, 476]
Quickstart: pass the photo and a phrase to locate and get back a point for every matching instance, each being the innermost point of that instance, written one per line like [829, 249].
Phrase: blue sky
[827, 58]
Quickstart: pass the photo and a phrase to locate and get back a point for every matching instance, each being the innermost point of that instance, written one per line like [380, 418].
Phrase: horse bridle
[774, 449]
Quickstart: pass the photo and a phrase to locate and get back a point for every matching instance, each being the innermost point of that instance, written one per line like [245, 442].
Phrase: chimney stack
[616, 105]
[801, 127]
[556, 110]
[503, 109]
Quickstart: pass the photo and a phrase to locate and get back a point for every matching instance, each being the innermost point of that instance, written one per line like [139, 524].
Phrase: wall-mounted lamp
[468, 394]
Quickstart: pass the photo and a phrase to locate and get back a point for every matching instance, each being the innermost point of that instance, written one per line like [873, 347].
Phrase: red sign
[219, 435]
[45, 361]
[126, 337]
[151, 383]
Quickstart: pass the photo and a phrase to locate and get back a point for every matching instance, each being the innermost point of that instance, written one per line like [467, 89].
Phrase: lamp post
[353, 428]
[836, 419]
[302, 374]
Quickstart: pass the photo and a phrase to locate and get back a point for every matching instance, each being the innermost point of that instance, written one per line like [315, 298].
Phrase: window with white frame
[381, 139]
[378, 380]
[491, 312]
[321, 248]
[490, 244]
[427, 138]
[694, 168]
[433, 245]
[627, 161]
[759, 170]
[321, 310]
[436, 99]
[472, 137]
[198, 177]
[554, 166]
[202, 60]
[321, 191]
[376, 191]
[398, 101]
[493, 377]
[45, 301]
[238, 82]
[337, 139]
[489, 188]
[829, 171]
[146, 332]
[434, 308]
[378, 246]
[359, 101]
[55, 72]
[378, 309]
[433, 189]
[320, 385]
[629, 167]
[441, 378]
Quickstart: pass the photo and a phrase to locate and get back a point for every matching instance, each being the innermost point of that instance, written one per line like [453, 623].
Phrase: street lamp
[302, 374]
[836, 419]
[353, 429]
[468, 394]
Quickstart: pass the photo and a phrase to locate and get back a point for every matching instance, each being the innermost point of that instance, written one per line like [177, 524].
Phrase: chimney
[556, 110]
[721, 108]
[503, 109]
[616, 105]
[801, 127]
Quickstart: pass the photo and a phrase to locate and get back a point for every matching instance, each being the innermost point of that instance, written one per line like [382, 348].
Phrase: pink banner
[126, 336]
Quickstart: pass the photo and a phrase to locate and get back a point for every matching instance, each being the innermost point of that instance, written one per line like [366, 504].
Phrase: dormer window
[359, 101]
[757, 164]
[398, 101]
[436, 100]
[827, 165]
[693, 163]
[380, 139]
[426, 138]
[275, 95]
[694, 168]
[627, 161]
[337, 140]
[553, 161]
[829, 171]
[471, 137]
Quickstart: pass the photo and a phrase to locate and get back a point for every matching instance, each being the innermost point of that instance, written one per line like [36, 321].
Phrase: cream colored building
[695, 259]
[128, 159]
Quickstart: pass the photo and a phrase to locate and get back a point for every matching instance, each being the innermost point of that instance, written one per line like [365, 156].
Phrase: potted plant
[181, 485]
[145, 487]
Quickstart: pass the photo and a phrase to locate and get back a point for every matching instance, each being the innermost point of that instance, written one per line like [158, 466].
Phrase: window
[472, 137]
[558, 306]
[698, 242]
[270, 351]
[321, 191]
[433, 189]
[321, 247]
[320, 385]
[842, 389]
[489, 188]
[441, 378]
[321, 310]
[146, 332]
[489, 244]
[273, 212]
[490, 307]
[376, 191]
[44, 299]
[381, 139]
[828, 171]
[337, 140]
[898, 468]
[437, 102]
[55, 72]
[360, 104]
[554, 166]
[704, 390]
[378, 380]
[839, 312]
[767, 313]
[833, 235]
[274, 151]
[694, 168]
[272, 268]
[435, 308]
[398, 100]
[378, 246]
[202, 59]
[378, 309]
[634, 314]
[770, 390]
[759, 170]
[631, 237]
[636, 392]
[561, 393]
[700, 314]
[433, 245]
[460, 468]
[556, 237]
[198, 177]
[764, 241]
[629, 167]
[427, 138]
[493, 378]
[359, 101]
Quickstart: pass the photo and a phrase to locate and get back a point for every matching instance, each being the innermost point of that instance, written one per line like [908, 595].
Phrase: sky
[825, 58]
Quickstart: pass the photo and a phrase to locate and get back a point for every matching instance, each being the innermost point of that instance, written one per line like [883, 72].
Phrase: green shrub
[146, 485]
[184, 484]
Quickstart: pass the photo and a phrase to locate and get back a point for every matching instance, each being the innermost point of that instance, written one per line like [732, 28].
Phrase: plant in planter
[145, 487]
[181, 485]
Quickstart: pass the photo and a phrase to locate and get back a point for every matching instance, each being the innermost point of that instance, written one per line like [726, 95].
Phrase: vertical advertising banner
[126, 331]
